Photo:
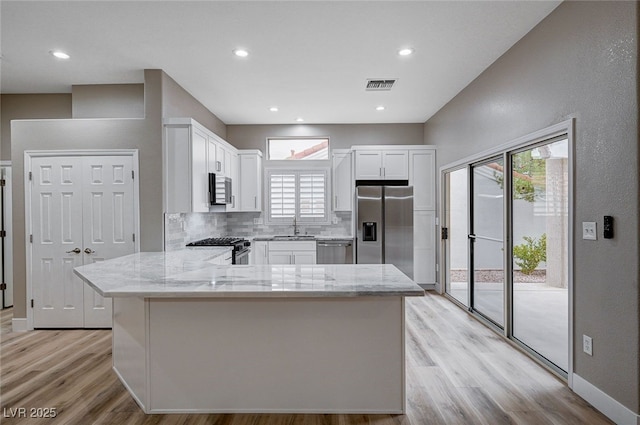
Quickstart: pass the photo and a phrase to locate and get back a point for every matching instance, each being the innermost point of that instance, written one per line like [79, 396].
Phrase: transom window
[298, 149]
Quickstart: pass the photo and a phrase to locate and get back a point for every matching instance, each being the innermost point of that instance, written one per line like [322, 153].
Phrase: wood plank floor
[458, 372]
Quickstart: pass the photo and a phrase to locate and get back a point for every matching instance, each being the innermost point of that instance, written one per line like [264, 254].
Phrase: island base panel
[337, 355]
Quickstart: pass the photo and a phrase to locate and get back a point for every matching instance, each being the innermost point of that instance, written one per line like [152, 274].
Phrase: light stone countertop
[187, 273]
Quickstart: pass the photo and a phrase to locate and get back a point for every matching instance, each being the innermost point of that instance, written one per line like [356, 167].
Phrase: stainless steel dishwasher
[334, 251]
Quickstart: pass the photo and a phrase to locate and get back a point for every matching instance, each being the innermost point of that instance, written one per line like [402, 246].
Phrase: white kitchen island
[191, 336]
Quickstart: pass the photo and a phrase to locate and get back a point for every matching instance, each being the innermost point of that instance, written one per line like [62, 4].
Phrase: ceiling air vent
[379, 85]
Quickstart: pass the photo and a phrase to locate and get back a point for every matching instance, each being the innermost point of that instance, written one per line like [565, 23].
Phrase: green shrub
[529, 254]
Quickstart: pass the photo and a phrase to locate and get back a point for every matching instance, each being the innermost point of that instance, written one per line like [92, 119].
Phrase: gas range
[241, 247]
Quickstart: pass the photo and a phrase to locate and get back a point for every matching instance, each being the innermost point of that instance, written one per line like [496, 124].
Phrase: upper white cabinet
[250, 178]
[342, 180]
[185, 169]
[191, 152]
[422, 175]
[381, 164]
[233, 172]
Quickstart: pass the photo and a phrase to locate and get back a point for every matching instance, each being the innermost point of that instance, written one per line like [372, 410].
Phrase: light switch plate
[589, 231]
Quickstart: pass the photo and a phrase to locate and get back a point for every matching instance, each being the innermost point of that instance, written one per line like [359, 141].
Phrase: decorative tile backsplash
[182, 228]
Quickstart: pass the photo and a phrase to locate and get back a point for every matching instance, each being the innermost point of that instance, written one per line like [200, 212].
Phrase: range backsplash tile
[182, 228]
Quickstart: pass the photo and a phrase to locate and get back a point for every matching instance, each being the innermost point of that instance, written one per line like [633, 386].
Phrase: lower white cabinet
[259, 253]
[424, 242]
[284, 252]
[225, 259]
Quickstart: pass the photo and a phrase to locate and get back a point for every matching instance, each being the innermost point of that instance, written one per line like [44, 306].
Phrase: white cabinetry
[234, 174]
[225, 259]
[422, 165]
[342, 180]
[185, 169]
[424, 246]
[250, 180]
[292, 252]
[422, 176]
[191, 152]
[381, 164]
[259, 253]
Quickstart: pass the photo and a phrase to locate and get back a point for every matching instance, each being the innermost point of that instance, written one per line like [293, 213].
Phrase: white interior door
[56, 223]
[82, 211]
[7, 254]
[108, 223]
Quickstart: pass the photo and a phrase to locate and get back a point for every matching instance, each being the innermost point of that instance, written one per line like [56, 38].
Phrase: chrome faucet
[296, 231]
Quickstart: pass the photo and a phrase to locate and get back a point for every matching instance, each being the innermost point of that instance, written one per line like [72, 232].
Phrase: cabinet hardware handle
[75, 251]
[255, 202]
[89, 251]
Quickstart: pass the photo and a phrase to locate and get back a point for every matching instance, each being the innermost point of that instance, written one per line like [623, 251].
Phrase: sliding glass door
[486, 239]
[456, 219]
[540, 226]
[506, 244]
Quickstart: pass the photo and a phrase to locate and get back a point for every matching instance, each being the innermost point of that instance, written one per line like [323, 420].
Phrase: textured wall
[142, 134]
[29, 106]
[108, 101]
[341, 136]
[580, 62]
[178, 103]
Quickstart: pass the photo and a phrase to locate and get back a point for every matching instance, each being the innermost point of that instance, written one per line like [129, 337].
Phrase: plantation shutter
[282, 196]
[312, 195]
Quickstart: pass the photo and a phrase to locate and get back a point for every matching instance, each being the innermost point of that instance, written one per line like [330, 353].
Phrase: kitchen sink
[294, 238]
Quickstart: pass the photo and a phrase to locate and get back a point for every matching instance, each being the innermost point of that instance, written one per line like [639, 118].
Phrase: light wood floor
[458, 372]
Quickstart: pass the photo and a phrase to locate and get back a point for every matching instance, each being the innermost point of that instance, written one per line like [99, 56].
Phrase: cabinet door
[342, 183]
[304, 257]
[221, 159]
[395, 165]
[199, 173]
[260, 253]
[280, 257]
[235, 182]
[368, 165]
[424, 246]
[250, 182]
[422, 176]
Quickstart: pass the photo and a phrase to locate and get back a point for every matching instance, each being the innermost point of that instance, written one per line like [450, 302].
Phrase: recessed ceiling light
[59, 54]
[299, 120]
[380, 108]
[241, 53]
[274, 109]
[405, 52]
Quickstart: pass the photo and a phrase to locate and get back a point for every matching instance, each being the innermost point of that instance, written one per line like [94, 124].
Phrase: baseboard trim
[19, 325]
[608, 406]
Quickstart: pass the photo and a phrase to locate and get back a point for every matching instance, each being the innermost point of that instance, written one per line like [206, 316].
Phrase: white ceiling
[310, 58]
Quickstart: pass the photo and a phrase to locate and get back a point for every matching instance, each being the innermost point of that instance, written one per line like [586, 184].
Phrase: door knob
[75, 251]
[88, 251]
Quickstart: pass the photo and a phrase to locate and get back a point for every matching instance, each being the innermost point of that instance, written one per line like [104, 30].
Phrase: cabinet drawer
[292, 246]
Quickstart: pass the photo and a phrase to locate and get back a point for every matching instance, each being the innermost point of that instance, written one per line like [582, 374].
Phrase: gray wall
[29, 106]
[143, 134]
[178, 103]
[341, 136]
[581, 62]
[108, 101]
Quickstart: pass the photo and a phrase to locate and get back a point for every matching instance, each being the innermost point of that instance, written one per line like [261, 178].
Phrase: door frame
[565, 127]
[28, 155]
[7, 249]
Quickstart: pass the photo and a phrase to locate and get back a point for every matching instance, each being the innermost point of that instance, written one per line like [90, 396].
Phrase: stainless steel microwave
[219, 189]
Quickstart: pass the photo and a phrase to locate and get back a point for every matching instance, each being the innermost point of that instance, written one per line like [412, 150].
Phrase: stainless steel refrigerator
[384, 226]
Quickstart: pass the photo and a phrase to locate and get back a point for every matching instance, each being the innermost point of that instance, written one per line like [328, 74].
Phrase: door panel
[456, 245]
[108, 223]
[486, 239]
[56, 209]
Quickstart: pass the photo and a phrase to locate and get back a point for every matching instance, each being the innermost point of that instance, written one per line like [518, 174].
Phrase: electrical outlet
[589, 231]
[334, 220]
[587, 345]
[257, 220]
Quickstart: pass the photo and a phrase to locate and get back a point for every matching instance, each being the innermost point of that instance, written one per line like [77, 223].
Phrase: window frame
[310, 167]
[318, 138]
